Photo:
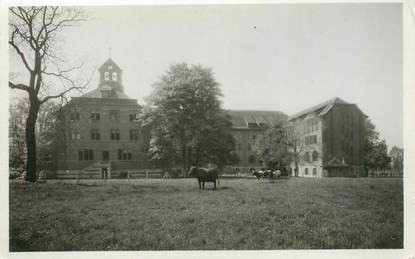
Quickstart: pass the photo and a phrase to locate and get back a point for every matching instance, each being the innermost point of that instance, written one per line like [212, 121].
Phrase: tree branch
[19, 86]
[19, 52]
[62, 94]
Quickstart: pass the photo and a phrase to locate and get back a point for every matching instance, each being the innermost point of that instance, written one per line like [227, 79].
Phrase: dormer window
[107, 76]
[114, 76]
[106, 94]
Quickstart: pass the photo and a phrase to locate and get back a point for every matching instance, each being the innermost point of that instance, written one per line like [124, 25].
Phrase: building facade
[247, 126]
[331, 140]
[101, 134]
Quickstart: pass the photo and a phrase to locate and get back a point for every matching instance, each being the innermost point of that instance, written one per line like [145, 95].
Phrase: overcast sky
[283, 57]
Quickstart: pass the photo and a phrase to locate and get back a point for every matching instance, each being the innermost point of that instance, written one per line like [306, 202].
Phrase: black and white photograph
[259, 126]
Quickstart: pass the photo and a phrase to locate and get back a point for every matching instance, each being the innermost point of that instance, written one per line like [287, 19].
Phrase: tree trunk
[31, 139]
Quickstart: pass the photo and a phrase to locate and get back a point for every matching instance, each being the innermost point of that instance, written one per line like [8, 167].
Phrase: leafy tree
[376, 151]
[270, 147]
[396, 155]
[34, 35]
[187, 124]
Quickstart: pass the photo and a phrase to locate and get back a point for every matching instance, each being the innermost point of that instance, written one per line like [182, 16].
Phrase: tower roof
[107, 63]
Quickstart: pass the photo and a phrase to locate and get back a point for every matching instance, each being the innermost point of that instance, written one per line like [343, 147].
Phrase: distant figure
[166, 175]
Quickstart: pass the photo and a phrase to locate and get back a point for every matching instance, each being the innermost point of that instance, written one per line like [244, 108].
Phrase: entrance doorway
[104, 173]
[105, 155]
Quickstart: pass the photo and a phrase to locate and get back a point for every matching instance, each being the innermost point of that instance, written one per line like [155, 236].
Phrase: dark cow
[204, 175]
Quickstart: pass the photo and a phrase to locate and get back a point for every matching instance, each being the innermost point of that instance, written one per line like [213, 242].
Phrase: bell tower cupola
[110, 75]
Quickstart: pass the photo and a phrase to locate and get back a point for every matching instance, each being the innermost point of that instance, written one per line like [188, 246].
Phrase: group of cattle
[204, 175]
[266, 174]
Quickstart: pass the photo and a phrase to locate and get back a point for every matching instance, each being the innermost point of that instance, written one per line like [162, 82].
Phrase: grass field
[174, 214]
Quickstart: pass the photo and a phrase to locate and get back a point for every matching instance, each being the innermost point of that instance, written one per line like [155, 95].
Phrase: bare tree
[34, 36]
[292, 138]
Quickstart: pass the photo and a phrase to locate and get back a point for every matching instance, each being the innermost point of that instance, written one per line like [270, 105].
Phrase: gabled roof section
[96, 93]
[107, 63]
[319, 109]
[245, 119]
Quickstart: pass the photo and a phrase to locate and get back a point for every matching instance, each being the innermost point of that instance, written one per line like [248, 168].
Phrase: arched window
[114, 76]
[106, 76]
[315, 156]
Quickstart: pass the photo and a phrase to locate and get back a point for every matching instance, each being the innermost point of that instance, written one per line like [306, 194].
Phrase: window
[124, 155]
[306, 157]
[110, 67]
[105, 94]
[306, 171]
[95, 116]
[253, 137]
[249, 147]
[95, 134]
[75, 135]
[251, 159]
[107, 76]
[115, 134]
[239, 146]
[114, 115]
[315, 156]
[133, 116]
[114, 76]
[134, 134]
[310, 139]
[74, 116]
[86, 154]
[314, 171]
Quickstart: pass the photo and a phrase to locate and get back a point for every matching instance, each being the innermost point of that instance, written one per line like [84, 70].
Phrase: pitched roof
[109, 62]
[320, 109]
[96, 93]
[243, 119]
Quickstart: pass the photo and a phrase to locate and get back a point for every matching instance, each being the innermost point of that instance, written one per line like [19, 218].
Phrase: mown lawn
[175, 215]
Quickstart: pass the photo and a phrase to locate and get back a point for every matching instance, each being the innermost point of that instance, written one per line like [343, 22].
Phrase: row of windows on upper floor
[308, 140]
[88, 155]
[114, 115]
[114, 134]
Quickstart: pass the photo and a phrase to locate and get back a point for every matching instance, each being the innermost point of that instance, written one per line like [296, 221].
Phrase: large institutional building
[247, 126]
[101, 136]
[332, 140]
[101, 133]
